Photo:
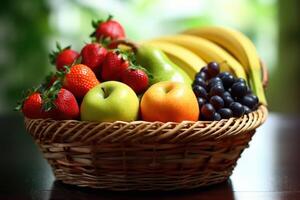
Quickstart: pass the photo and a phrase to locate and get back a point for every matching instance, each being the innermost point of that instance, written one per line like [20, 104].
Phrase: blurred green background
[29, 30]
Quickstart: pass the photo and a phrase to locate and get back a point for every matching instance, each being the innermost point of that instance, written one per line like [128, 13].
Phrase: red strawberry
[32, 107]
[114, 65]
[63, 57]
[109, 29]
[66, 106]
[79, 80]
[137, 79]
[93, 56]
[50, 102]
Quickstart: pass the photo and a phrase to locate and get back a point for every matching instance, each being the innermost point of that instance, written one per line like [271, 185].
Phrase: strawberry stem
[50, 95]
[110, 17]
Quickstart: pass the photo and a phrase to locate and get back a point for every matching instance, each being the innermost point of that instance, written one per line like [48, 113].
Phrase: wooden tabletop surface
[268, 170]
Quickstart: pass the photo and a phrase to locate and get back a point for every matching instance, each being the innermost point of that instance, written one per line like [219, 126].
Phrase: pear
[160, 66]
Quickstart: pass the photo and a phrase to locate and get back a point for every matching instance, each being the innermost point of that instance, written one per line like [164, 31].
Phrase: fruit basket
[171, 113]
[143, 155]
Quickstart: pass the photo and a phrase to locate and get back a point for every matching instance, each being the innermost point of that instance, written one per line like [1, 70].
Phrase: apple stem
[105, 94]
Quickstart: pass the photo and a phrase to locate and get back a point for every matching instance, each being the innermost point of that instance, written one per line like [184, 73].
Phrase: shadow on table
[63, 191]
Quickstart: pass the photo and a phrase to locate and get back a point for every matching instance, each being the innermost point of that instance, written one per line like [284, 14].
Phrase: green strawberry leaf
[50, 95]
[95, 23]
[58, 46]
[126, 54]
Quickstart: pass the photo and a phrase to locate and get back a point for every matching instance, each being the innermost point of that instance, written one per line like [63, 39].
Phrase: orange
[169, 102]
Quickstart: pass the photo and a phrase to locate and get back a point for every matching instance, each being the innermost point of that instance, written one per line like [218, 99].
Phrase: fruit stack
[173, 112]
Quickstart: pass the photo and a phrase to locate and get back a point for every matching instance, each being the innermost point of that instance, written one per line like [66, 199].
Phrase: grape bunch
[221, 95]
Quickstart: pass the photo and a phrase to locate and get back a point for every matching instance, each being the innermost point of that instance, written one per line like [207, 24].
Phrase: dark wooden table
[268, 170]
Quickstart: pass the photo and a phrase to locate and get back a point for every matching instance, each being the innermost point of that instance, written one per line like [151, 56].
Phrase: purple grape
[199, 81]
[207, 111]
[214, 81]
[217, 102]
[248, 101]
[204, 73]
[217, 117]
[213, 69]
[227, 80]
[237, 109]
[216, 90]
[222, 74]
[239, 89]
[254, 97]
[201, 101]
[247, 110]
[225, 113]
[228, 100]
[199, 91]
[225, 94]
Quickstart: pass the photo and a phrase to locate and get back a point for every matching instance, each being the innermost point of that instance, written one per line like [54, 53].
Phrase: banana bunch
[193, 48]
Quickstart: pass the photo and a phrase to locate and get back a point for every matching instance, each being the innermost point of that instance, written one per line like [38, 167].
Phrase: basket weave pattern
[143, 155]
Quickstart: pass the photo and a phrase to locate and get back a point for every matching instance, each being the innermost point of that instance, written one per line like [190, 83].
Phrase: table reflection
[219, 191]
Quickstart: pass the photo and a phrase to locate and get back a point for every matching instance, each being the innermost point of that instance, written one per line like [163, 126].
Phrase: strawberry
[65, 106]
[63, 57]
[50, 102]
[79, 79]
[109, 29]
[93, 55]
[32, 106]
[136, 78]
[114, 65]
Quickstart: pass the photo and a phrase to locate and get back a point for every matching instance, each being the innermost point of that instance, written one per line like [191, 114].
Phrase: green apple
[110, 101]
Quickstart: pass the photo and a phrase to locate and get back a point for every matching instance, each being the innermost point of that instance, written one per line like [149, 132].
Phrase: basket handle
[265, 74]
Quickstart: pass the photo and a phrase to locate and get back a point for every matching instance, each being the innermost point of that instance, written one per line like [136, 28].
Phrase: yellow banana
[241, 47]
[208, 51]
[182, 57]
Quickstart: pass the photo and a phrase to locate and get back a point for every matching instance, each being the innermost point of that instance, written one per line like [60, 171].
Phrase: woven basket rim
[260, 108]
[84, 132]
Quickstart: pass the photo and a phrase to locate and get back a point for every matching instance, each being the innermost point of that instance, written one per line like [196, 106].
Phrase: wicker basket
[143, 155]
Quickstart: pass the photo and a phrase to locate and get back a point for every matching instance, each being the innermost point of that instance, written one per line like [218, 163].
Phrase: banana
[208, 51]
[241, 47]
[182, 57]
